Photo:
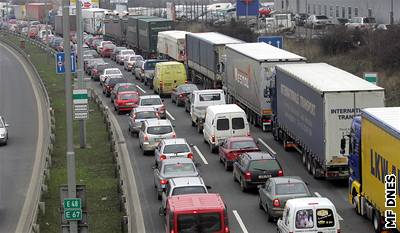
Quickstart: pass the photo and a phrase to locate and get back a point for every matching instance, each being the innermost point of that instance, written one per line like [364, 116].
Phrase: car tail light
[276, 203]
[162, 109]
[226, 229]
[163, 181]
[266, 121]
[247, 176]
[213, 138]
[162, 157]
[173, 135]
[146, 138]
[280, 173]
[248, 134]
[172, 231]
[190, 156]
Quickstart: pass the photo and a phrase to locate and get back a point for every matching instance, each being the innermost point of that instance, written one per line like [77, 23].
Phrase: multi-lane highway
[19, 106]
[244, 214]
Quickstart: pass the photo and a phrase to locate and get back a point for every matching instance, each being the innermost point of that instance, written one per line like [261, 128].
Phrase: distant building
[380, 9]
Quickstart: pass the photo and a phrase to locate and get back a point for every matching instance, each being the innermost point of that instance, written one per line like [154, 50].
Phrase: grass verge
[94, 166]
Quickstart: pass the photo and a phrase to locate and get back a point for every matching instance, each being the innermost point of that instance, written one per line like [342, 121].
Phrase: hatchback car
[115, 52]
[130, 62]
[109, 84]
[172, 168]
[122, 87]
[126, 101]
[137, 69]
[277, 190]
[107, 50]
[181, 93]
[232, 147]
[138, 115]
[155, 102]
[97, 70]
[172, 148]
[152, 132]
[3, 131]
[123, 55]
[90, 64]
[108, 72]
[254, 168]
[91, 52]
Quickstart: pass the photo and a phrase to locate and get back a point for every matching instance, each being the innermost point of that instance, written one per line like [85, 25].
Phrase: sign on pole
[72, 209]
[371, 77]
[276, 41]
[60, 63]
[80, 100]
[247, 7]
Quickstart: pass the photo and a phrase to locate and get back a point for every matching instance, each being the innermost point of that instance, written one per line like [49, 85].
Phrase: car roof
[157, 122]
[200, 201]
[286, 179]
[176, 160]
[208, 91]
[174, 141]
[309, 201]
[259, 155]
[150, 97]
[186, 181]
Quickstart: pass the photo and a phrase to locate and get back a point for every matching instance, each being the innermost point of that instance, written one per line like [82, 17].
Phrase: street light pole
[73, 225]
[81, 83]
[391, 13]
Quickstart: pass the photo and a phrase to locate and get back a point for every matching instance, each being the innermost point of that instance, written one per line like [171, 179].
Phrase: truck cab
[196, 213]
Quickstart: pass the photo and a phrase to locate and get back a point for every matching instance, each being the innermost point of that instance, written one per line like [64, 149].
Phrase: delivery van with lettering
[313, 106]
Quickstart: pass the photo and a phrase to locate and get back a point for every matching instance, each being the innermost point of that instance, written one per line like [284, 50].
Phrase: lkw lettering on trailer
[380, 166]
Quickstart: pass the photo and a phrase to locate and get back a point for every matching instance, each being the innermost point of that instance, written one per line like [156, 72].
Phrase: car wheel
[226, 166]
[199, 129]
[172, 99]
[260, 205]
[212, 148]
[158, 195]
[269, 217]
[234, 176]
[242, 186]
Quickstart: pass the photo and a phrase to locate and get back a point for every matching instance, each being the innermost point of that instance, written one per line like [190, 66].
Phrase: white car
[123, 55]
[172, 148]
[317, 21]
[152, 132]
[3, 131]
[107, 72]
[361, 23]
[130, 62]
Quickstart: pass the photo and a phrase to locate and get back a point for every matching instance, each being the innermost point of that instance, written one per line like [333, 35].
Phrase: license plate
[264, 176]
[129, 104]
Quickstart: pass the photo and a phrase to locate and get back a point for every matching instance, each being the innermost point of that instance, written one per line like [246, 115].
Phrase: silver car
[123, 55]
[172, 148]
[131, 61]
[154, 101]
[152, 132]
[172, 168]
[3, 131]
[137, 116]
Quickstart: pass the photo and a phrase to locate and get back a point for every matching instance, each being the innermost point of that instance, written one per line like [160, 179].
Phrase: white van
[310, 214]
[199, 101]
[224, 121]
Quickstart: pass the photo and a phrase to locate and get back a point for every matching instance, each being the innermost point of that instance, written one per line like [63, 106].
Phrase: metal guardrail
[28, 218]
[133, 218]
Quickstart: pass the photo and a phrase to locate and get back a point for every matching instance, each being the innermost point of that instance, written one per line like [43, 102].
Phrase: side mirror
[162, 100]
[305, 182]
[161, 211]
[208, 187]
[191, 145]
[6, 125]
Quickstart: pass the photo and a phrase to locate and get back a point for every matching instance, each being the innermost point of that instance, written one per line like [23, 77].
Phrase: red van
[192, 213]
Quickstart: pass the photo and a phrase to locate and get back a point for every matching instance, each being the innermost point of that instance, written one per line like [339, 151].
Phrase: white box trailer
[93, 20]
[172, 44]
[314, 105]
[248, 74]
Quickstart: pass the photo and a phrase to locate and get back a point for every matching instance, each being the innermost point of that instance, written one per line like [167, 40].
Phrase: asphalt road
[19, 107]
[245, 205]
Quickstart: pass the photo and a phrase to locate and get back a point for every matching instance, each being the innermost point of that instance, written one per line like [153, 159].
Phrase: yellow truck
[374, 161]
[167, 76]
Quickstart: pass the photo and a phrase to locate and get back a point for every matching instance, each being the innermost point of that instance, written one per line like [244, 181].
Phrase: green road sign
[73, 214]
[371, 77]
[72, 203]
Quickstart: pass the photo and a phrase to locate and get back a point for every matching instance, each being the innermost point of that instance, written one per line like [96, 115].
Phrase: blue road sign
[247, 7]
[276, 41]
[60, 63]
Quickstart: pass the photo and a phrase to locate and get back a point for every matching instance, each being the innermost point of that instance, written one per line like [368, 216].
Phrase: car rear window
[127, 88]
[129, 96]
[222, 124]
[238, 123]
[179, 167]
[321, 17]
[290, 188]
[264, 164]
[304, 219]
[188, 190]
[127, 52]
[113, 72]
[243, 144]
[150, 65]
[210, 97]
[113, 81]
[325, 218]
[189, 88]
[204, 222]
[150, 102]
[177, 148]
[159, 130]
[146, 115]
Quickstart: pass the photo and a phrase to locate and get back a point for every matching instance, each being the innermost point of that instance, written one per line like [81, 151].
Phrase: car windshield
[290, 188]
[243, 144]
[150, 65]
[127, 88]
[159, 130]
[188, 190]
[129, 96]
[321, 17]
[150, 102]
[146, 115]
[202, 222]
[113, 81]
[264, 164]
[189, 88]
[178, 168]
[114, 71]
[176, 148]
[210, 97]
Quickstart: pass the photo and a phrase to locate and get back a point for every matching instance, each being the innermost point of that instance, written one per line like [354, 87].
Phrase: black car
[254, 168]
[181, 93]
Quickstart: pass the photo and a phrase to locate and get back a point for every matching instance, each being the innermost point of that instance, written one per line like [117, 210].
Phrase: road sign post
[276, 41]
[60, 63]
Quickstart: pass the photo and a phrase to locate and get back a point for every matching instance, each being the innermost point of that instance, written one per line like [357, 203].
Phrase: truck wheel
[308, 163]
[376, 221]
[314, 169]
[304, 157]
[355, 203]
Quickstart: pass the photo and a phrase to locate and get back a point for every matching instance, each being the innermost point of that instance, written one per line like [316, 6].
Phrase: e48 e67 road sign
[60, 63]
[73, 214]
[72, 209]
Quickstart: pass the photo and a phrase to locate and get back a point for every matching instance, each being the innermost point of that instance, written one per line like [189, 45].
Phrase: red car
[107, 50]
[110, 82]
[232, 147]
[126, 101]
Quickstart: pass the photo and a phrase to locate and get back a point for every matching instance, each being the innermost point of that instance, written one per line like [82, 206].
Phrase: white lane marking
[170, 116]
[317, 194]
[266, 145]
[140, 89]
[340, 217]
[200, 154]
[239, 219]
